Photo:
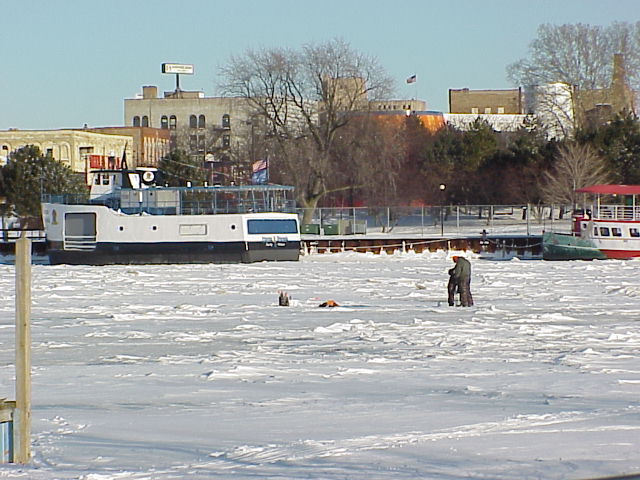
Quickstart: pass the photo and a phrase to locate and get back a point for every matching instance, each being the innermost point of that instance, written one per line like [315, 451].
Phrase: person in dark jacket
[460, 280]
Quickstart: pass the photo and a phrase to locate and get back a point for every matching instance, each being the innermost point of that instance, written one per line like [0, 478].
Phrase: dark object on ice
[329, 303]
[460, 281]
[283, 299]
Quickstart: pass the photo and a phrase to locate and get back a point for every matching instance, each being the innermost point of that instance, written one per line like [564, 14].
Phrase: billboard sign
[180, 68]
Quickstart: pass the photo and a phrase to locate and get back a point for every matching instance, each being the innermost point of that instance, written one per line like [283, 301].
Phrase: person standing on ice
[460, 280]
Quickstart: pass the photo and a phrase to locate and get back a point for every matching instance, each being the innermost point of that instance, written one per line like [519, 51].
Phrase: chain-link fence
[439, 220]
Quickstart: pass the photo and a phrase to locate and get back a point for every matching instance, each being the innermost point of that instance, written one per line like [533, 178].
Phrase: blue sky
[70, 62]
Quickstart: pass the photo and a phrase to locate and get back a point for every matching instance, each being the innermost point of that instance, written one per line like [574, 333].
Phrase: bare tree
[567, 61]
[305, 97]
[576, 166]
[370, 151]
[579, 55]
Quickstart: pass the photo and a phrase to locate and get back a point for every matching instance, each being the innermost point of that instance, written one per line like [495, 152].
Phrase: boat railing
[617, 212]
[194, 202]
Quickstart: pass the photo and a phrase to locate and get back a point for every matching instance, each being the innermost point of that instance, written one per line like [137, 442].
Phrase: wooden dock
[524, 246]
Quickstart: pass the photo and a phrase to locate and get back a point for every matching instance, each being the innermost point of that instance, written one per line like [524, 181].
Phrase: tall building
[209, 129]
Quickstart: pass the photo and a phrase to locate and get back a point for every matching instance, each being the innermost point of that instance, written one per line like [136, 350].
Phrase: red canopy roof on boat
[611, 189]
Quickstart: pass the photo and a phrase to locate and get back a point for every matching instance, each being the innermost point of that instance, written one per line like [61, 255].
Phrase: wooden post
[22, 415]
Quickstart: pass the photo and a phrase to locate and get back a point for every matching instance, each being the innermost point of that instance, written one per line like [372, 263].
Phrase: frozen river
[194, 371]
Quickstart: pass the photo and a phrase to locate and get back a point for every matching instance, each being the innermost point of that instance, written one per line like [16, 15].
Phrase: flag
[259, 165]
[259, 169]
[412, 79]
[259, 177]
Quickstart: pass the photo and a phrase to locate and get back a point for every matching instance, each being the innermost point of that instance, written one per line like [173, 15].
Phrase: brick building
[503, 102]
[149, 145]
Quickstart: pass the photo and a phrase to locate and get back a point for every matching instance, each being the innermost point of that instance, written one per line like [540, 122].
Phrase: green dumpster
[310, 228]
[330, 229]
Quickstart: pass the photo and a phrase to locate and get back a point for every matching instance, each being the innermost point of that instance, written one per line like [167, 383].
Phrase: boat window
[616, 231]
[634, 232]
[595, 231]
[264, 226]
[604, 231]
[105, 179]
[80, 224]
[96, 179]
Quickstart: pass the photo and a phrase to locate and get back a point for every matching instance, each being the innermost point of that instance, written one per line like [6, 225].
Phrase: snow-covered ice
[194, 371]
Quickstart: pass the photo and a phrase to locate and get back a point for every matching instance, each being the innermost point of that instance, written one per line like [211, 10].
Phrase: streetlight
[442, 188]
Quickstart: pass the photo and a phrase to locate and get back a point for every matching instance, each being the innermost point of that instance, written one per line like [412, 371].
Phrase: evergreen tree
[28, 174]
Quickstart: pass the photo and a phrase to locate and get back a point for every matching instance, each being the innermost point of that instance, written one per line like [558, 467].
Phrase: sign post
[22, 413]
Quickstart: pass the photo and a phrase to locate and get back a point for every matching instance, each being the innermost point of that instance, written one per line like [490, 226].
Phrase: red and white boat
[609, 229]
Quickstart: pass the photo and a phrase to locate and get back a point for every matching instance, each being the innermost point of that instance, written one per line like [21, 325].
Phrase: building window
[193, 143]
[501, 110]
[193, 121]
[201, 122]
[474, 109]
[164, 122]
[136, 121]
[226, 121]
[172, 122]
[145, 121]
[226, 140]
[487, 110]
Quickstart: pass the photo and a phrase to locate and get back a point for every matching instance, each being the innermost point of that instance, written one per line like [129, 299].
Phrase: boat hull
[175, 253]
[562, 246]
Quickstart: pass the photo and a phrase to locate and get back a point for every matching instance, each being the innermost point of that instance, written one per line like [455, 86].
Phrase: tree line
[319, 140]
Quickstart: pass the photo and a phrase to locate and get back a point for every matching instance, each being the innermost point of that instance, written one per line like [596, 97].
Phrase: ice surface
[194, 371]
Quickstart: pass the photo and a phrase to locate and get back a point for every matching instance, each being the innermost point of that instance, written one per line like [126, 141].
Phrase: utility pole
[22, 413]
[442, 198]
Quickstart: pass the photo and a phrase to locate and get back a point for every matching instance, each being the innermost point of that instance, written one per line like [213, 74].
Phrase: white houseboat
[127, 219]
[609, 229]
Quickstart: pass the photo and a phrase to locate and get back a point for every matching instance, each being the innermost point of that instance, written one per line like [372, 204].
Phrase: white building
[75, 148]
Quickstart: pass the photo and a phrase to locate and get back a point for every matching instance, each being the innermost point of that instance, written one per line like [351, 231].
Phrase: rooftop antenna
[178, 69]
